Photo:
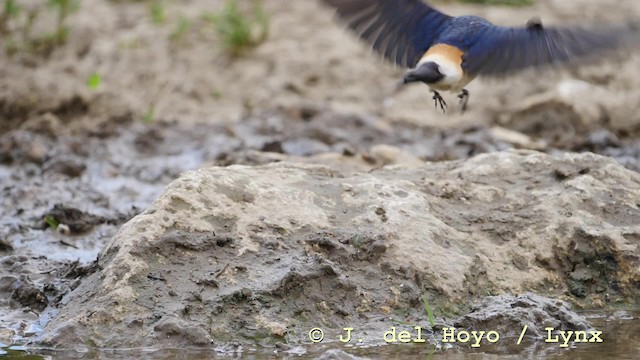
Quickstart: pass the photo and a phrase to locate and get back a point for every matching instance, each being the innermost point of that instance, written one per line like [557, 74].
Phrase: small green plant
[51, 222]
[64, 8]
[94, 81]
[181, 29]
[241, 29]
[11, 10]
[428, 311]
[216, 94]
[149, 116]
[157, 12]
[427, 308]
[16, 24]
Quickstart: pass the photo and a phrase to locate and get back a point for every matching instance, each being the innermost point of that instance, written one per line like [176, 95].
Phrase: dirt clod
[509, 314]
[78, 221]
[26, 294]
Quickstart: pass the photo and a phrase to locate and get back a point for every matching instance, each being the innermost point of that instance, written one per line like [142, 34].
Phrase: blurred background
[104, 102]
[218, 61]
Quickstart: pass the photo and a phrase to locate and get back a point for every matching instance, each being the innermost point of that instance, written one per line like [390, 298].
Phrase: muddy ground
[76, 163]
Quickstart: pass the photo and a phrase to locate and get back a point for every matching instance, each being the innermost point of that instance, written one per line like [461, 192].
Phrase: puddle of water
[621, 340]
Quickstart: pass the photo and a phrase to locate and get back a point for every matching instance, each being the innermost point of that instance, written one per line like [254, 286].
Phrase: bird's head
[428, 72]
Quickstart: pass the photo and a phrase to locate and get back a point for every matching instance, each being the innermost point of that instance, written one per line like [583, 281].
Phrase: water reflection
[621, 335]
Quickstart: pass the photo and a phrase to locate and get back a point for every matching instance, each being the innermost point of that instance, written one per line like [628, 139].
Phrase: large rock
[261, 253]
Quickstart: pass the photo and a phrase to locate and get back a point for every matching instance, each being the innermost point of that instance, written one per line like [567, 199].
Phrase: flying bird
[447, 52]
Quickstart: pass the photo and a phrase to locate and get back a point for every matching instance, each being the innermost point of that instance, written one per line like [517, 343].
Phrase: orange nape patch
[449, 52]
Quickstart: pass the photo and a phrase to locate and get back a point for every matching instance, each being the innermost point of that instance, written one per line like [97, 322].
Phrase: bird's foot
[464, 99]
[438, 100]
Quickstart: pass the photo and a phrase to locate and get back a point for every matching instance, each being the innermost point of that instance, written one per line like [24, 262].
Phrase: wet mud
[60, 206]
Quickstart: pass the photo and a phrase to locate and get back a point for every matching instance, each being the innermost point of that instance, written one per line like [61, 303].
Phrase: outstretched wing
[401, 30]
[497, 51]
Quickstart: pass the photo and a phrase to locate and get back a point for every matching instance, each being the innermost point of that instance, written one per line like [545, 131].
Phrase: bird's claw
[464, 99]
[438, 100]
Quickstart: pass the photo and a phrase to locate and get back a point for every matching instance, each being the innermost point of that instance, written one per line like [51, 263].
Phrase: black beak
[408, 78]
[428, 73]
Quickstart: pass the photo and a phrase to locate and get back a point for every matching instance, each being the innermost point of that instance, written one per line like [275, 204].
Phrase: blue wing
[497, 51]
[401, 30]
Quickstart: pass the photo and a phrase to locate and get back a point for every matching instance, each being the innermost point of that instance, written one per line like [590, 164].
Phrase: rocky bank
[259, 254]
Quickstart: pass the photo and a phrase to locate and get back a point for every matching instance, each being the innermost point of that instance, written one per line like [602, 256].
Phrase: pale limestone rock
[243, 253]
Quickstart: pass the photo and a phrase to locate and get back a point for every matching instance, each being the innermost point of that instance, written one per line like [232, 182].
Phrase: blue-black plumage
[448, 52]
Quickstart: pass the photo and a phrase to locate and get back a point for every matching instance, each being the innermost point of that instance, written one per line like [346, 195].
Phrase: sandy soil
[308, 58]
